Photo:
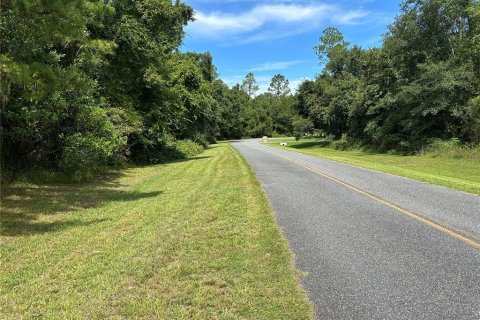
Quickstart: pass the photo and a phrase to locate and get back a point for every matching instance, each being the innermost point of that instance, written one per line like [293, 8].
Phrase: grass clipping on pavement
[193, 239]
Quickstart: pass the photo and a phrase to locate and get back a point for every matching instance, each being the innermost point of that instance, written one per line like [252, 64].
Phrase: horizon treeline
[422, 84]
[90, 84]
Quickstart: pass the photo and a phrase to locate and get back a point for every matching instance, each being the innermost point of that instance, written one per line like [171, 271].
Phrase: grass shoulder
[436, 168]
[191, 239]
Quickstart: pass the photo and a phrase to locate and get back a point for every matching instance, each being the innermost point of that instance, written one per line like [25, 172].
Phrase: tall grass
[452, 149]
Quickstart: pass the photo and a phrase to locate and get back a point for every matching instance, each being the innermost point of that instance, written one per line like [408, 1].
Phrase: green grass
[193, 239]
[459, 174]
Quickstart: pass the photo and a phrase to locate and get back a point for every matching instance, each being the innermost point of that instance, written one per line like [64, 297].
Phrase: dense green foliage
[270, 113]
[87, 84]
[244, 113]
[422, 85]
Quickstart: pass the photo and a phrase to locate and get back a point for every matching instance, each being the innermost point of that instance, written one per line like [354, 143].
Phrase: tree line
[266, 114]
[88, 84]
[421, 85]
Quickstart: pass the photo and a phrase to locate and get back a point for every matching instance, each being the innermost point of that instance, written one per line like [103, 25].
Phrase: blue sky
[270, 37]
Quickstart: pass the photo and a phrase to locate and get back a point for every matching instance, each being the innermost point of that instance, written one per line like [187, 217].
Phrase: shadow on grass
[18, 227]
[303, 145]
[22, 205]
[169, 162]
[190, 159]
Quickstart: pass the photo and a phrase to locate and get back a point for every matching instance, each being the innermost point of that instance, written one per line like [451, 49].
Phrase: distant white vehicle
[264, 139]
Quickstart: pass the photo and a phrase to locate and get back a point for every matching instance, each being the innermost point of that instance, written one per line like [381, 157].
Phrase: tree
[249, 85]
[302, 126]
[232, 105]
[258, 121]
[144, 74]
[279, 86]
[304, 98]
[420, 85]
[49, 103]
[473, 124]
[332, 50]
[86, 84]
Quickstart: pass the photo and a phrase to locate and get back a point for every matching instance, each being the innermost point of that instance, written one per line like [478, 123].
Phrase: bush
[452, 149]
[474, 120]
[188, 148]
[341, 144]
[275, 134]
[200, 139]
[301, 127]
[85, 154]
[167, 149]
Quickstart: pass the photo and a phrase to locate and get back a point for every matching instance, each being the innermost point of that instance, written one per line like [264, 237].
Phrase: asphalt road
[373, 245]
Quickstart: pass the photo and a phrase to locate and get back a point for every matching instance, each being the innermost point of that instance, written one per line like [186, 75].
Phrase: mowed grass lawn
[459, 174]
[194, 239]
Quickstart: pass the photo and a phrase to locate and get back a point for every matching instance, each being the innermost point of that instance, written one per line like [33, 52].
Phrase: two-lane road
[373, 245]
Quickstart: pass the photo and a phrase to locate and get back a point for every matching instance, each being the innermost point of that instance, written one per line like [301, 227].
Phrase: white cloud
[232, 80]
[263, 83]
[349, 17]
[270, 21]
[294, 84]
[269, 66]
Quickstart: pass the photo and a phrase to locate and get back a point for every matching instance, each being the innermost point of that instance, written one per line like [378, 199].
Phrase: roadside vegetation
[414, 100]
[192, 239]
[88, 85]
[421, 85]
[446, 164]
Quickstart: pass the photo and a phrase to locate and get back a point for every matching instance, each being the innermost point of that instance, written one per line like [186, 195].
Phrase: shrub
[126, 123]
[275, 134]
[474, 120]
[452, 149]
[168, 149]
[341, 144]
[301, 127]
[200, 139]
[85, 154]
[188, 148]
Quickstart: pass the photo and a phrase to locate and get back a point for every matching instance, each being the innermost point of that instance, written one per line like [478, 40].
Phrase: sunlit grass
[192, 239]
[459, 174]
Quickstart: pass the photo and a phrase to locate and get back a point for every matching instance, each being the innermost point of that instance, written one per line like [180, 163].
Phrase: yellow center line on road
[457, 234]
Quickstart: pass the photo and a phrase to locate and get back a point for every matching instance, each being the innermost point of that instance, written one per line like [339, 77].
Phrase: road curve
[373, 245]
